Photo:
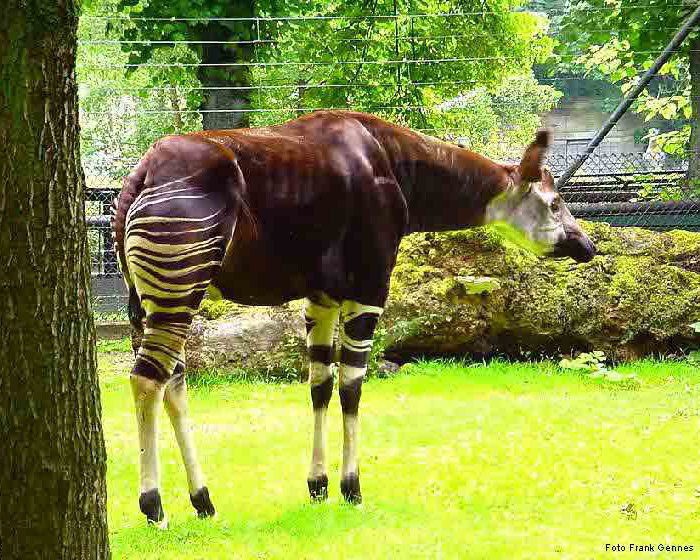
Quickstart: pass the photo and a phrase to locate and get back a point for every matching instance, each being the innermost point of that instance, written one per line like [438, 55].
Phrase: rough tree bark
[52, 453]
[694, 147]
[222, 107]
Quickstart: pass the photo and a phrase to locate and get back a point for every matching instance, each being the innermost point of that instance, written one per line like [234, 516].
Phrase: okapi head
[532, 205]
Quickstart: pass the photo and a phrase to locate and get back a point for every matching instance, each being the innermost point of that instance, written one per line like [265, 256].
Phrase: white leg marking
[148, 398]
[349, 374]
[322, 319]
[176, 405]
[351, 428]
[318, 456]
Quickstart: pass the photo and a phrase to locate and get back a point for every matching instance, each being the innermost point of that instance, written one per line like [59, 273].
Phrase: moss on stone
[636, 296]
[215, 309]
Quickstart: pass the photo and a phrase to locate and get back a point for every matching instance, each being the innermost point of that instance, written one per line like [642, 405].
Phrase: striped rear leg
[321, 314]
[357, 329]
[171, 261]
[176, 405]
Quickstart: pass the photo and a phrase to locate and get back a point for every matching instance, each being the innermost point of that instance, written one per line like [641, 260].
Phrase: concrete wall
[578, 119]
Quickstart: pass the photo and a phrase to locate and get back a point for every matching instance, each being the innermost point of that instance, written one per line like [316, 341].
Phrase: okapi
[315, 209]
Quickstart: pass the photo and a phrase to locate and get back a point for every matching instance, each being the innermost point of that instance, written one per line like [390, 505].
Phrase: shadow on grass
[303, 522]
[317, 520]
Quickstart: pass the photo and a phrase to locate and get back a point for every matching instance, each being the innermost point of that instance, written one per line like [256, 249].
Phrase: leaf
[694, 357]
[565, 363]
[668, 111]
[509, 233]
[614, 376]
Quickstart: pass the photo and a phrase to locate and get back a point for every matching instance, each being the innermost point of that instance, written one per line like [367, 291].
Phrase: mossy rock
[265, 342]
[637, 296]
[470, 293]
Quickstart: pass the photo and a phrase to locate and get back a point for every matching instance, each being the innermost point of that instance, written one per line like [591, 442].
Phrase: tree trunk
[52, 453]
[694, 147]
[227, 104]
[175, 106]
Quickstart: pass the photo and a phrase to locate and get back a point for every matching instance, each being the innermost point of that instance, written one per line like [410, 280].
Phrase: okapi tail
[236, 186]
[132, 187]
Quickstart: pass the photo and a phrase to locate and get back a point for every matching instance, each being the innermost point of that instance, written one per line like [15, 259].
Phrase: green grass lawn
[485, 461]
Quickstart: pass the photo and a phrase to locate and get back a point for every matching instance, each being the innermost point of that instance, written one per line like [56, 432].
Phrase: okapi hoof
[350, 488]
[152, 507]
[318, 488]
[202, 503]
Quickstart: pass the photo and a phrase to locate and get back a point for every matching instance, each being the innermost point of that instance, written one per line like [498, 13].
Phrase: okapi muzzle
[531, 205]
[575, 245]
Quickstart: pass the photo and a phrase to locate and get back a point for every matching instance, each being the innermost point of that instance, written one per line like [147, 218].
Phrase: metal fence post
[631, 96]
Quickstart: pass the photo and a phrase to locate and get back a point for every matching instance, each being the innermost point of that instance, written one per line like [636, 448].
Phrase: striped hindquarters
[175, 238]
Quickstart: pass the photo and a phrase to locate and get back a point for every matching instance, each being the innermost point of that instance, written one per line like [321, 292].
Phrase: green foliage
[694, 355]
[111, 139]
[646, 26]
[678, 190]
[330, 72]
[215, 309]
[593, 363]
[123, 345]
[624, 42]
[376, 355]
[493, 122]
[481, 92]
[111, 316]
[587, 361]
[214, 34]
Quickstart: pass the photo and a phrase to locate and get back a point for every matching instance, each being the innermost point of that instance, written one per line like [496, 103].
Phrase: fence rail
[420, 69]
[620, 189]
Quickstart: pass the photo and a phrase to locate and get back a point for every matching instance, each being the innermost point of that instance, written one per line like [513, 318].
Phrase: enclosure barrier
[419, 69]
[625, 190]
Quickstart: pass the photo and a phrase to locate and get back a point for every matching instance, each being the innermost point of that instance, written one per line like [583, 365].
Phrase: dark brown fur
[320, 205]
[329, 197]
[326, 199]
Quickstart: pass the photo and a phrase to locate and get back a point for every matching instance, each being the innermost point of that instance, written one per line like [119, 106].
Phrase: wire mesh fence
[620, 189]
[461, 76]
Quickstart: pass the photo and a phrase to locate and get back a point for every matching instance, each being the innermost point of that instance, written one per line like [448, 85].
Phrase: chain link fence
[628, 190]
[146, 74]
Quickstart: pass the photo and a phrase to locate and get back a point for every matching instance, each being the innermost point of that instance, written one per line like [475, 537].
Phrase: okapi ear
[531, 164]
[548, 178]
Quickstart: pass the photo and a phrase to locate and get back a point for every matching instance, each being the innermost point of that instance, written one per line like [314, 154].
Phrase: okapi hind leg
[160, 357]
[176, 236]
[356, 332]
[176, 405]
[148, 399]
[321, 314]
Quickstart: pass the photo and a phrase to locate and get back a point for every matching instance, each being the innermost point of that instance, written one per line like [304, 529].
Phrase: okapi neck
[447, 187]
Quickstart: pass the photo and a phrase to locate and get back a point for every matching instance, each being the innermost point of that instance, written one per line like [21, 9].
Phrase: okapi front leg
[321, 314]
[358, 324]
[176, 405]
